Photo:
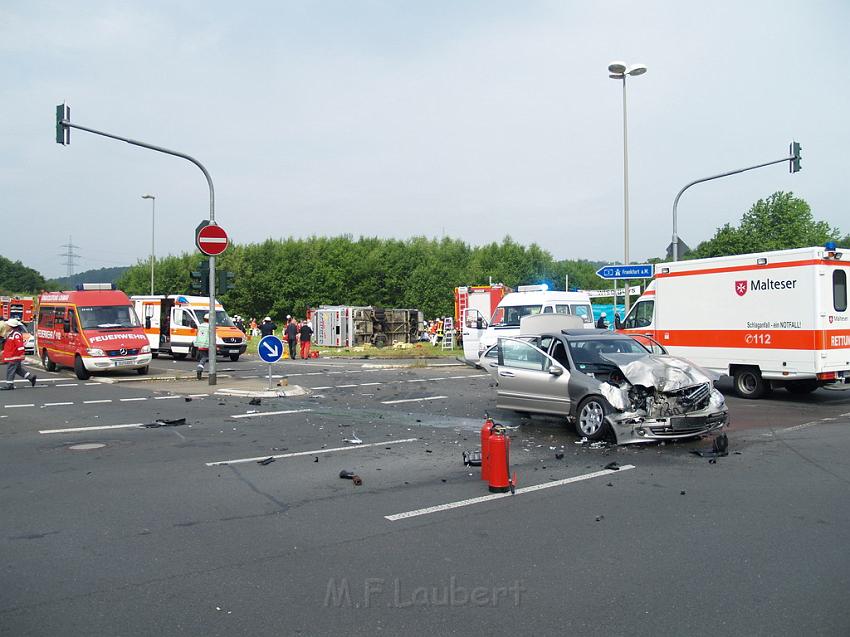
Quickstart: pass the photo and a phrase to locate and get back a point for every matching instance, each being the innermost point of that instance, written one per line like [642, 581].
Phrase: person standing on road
[306, 332]
[4, 332]
[202, 344]
[268, 327]
[602, 324]
[291, 333]
[13, 354]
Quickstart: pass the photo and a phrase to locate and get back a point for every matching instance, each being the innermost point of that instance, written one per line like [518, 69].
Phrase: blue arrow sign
[270, 349]
[641, 271]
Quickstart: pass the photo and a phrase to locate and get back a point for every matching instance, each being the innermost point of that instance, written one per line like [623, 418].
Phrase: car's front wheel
[48, 364]
[590, 418]
[80, 369]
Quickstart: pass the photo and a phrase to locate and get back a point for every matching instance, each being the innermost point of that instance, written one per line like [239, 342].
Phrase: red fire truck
[19, 307]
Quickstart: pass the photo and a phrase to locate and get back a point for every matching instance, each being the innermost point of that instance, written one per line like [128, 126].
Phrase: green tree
[15, 277]
[779, 222]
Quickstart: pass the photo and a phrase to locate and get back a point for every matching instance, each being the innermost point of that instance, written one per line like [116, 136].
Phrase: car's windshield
[107, 316]
[509, 316]
[590, 351]
[221, 318]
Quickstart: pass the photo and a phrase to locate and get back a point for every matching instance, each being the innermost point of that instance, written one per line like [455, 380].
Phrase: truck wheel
[802, 386]
[48, 364]
[234, 357]
[590, 418]
[749, 383]
[154, 354]
[178, 357]
[142, 371]
[80, 369]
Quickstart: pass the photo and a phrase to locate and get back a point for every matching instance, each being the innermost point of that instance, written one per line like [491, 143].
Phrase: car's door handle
[507, 374]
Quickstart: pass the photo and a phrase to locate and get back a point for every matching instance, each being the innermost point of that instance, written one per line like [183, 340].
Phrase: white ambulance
[770, 319]
[171, 324]
[479, 334]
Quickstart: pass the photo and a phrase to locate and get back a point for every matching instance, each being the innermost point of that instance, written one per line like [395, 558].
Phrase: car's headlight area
[94, 351]
[145, 350]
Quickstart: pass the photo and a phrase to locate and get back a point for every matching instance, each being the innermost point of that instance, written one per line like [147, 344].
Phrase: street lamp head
[617, 68]
[148, 197]
[637, 69]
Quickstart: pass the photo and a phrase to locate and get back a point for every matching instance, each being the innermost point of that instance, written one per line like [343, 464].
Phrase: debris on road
[188, 399]
[472, 458]
[559, 455]
[354, 440]
[348, 474]
[162, 422]
[613, 466]
[255, 401]
[266, 461]
[718, 449]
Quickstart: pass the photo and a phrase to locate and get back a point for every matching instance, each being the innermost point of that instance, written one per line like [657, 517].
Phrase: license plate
[124, 363]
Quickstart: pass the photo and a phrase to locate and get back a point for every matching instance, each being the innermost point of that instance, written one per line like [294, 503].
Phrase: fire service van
[171, 324]
[770, 319]
[92, 329]
[21, 308]
[479, 335]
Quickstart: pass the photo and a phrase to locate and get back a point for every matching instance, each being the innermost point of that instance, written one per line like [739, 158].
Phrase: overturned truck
[352, 326]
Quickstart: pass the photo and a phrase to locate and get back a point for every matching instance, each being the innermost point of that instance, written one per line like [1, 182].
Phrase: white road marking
[131, 400]
[135, 425]
[270, 413]
[67, 385]
[495, 496]
[345, 386]
[166, 397]
[439, 378]
[417, 380]
[198, 395]
[24, 405]
[56, 404]
[310, 374]
[325, 387]
[367, 384]
[315, 452]
[96, 402]
[90, 384]
[411, 400]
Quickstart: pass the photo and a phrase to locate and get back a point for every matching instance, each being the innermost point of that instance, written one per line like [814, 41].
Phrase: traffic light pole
[66, 124]
[793, 158]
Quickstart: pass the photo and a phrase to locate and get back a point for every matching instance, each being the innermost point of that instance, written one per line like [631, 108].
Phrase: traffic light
[63, 133]
[794, 162]
[226, 282]
[201, 278]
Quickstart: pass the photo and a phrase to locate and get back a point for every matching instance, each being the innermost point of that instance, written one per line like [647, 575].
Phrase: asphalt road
[145, 531]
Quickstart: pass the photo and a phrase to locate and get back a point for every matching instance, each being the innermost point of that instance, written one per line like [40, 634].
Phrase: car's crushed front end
[662, 398]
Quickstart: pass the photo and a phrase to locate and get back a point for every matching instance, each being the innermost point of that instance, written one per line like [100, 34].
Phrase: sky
[467, 119]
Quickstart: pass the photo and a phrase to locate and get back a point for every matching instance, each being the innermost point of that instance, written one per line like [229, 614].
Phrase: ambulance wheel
[234, 357]
[749, 383]
[80, 369]
[154, 354]
[590, 418]
[178, 357]
[48, 364]
[802, 386]
[142, 371]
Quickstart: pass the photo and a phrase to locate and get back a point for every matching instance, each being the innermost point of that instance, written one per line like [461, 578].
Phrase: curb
[292, 390]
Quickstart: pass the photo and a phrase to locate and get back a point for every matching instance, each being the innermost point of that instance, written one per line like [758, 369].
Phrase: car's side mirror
[555, 370]
[67, 327]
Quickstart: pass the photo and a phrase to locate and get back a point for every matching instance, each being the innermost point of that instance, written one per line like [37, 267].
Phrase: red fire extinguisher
[499, 468]
[485, 444]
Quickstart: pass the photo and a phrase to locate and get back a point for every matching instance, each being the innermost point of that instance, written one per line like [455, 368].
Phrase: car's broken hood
[664, 373]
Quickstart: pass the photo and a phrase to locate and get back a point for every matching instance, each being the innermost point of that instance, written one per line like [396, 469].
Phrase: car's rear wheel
[80, 369]
[48, 364]
[749, 383]
[178, 357]
[234, 357]
[142, 371]
[590, 418]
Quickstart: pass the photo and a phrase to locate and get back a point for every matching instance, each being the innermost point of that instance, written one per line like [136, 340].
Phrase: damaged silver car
[609, 384]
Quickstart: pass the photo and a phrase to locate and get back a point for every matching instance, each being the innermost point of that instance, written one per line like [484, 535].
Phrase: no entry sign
[211, 240]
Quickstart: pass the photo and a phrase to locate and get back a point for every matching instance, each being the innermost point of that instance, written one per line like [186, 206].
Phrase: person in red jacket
[13, 355]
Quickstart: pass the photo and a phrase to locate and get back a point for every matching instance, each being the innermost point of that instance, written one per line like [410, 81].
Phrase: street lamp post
[153, 227]
[619, 71]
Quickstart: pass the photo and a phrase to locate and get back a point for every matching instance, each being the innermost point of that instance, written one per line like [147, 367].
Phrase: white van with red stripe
[770, 319]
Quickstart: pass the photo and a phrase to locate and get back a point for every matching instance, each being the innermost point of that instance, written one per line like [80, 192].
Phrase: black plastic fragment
[255, 401]
[266, 461]
[162, 422]
[613, 466]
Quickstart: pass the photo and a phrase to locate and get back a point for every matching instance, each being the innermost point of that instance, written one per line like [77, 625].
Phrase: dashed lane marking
[56, 404]
[258, 414]
[325, 387]
[411, 400]
[67, 385]
[71, 430]
[132, 400]
[23, 405]
[96, 402]
[314, 452]
[345, 386]
[496, 496]
[368, 384]
[166, 397]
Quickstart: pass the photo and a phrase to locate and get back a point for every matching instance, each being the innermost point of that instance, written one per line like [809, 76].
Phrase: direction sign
[642, 271]
[270, 348]
[211, 240]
